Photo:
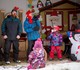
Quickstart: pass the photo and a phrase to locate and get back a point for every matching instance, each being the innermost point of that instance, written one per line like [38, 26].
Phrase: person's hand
[69, 34]
[5, 37]
[35, 17]
[36, 28]
[18, 37]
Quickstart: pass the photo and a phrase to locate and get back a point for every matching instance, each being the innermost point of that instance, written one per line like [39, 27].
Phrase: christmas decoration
[75, 40]
[15, 9]
[48, 2]
[39, 4]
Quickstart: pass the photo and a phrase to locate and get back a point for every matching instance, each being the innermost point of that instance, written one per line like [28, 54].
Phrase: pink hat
[38, 44]
[57, 28]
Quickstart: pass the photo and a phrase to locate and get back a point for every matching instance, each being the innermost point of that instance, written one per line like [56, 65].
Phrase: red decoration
[78, 47]
[16, 8]
[54, 13]
[32, 6]
[76, 52]
[39, 4]
[56, 27]
[29, 16]
[28, 12]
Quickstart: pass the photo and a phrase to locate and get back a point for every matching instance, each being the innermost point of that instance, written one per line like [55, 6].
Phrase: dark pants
[67, 50]
[8, 47]
[1, 54]
[30, 46]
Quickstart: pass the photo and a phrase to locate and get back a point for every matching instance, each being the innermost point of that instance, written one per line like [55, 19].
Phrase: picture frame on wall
[51, 21]
[73, 19]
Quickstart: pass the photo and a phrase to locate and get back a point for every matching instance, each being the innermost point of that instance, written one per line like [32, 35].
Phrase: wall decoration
[48, 2]
[39, 4]
[30, 1]
[30, 4]
[54, 20]
[73, 19]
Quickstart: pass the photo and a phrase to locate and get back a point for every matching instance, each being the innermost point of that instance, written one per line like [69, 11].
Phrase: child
[38, 56]
[56, 41]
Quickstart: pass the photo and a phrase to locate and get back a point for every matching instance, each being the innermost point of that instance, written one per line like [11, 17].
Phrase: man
[11, 31]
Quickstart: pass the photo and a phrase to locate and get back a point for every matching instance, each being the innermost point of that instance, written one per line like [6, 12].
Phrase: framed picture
[57, 20]
[73, 19]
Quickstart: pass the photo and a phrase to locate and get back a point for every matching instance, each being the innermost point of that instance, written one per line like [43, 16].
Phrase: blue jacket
[31, 34]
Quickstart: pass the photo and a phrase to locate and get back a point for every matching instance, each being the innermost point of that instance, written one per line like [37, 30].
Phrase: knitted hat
[15, 9]
[28, 12]
[38, 44]
[29, 16]
[56, 28]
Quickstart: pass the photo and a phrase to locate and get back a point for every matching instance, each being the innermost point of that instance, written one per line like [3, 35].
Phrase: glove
[18, 37]
[36, 28]
[69, 34]
[35, 18]
[5, 37]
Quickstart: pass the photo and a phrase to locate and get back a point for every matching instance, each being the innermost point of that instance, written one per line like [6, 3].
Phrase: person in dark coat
[11, 31]
[1, 53]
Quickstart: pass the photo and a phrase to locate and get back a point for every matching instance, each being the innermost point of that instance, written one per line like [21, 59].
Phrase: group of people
[11, 30]
[36, 55]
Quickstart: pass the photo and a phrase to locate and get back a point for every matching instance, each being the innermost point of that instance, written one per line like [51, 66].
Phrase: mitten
[5, 37]
[69, 34]
[35, 18]
[18, 37]
[36, 28]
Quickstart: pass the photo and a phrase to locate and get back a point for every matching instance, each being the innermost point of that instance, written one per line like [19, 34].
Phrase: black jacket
[11, 27]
